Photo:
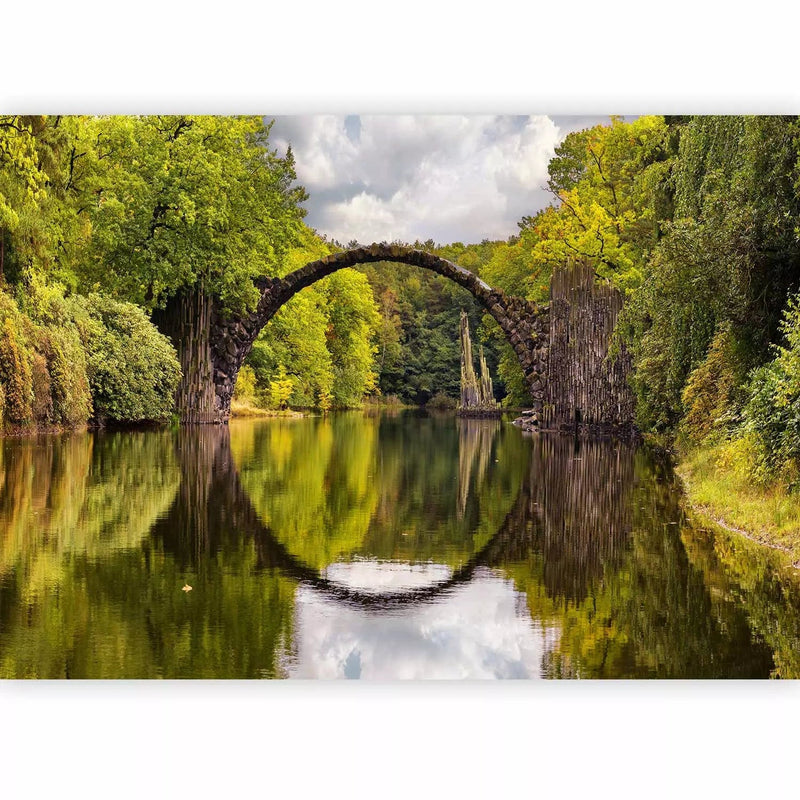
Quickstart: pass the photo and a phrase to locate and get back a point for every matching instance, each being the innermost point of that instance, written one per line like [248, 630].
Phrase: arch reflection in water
[358, 546]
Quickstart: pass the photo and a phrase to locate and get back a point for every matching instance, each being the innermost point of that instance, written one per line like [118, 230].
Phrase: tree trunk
[187, 321]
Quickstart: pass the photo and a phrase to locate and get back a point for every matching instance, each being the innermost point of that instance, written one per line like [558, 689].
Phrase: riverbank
[243, 409]
[719, 489]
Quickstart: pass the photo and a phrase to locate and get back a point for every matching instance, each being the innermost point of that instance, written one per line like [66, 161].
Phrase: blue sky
[446, 177]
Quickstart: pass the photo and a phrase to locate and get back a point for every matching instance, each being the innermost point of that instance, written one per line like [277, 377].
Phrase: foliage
[710, 395]
[15, 374]
[133, 369]
[66, 365]
[189, 200]
[280, 389]
[296, 336]
[324, 337]
[245, 389]
[42, 362]
[772, 414]
[22, 191]
[352, 323]
[144, 206]
[727, 256]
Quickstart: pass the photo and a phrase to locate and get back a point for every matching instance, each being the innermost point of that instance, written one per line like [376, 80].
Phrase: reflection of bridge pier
[572, 510]
[583, 498]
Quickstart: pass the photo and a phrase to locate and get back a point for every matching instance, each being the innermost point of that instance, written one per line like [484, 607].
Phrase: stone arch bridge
[561, 346]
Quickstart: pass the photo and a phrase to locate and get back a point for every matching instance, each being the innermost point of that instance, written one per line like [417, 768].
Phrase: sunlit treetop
[600, 179]
[144, 206]
[187, 201]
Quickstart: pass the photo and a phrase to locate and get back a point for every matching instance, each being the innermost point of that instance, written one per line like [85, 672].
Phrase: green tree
[353, 322]
[280, 388]
[324, 336]
[728, 256]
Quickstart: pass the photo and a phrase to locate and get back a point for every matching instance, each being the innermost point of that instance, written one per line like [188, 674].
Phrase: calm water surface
[356, 546]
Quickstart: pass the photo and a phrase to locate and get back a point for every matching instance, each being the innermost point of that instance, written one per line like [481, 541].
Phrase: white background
[445, 740]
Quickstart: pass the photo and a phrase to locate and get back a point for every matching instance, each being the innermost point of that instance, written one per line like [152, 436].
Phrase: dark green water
[383, 546]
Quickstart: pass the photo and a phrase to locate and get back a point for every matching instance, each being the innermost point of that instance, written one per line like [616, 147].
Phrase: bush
[42, 364]
[245, 389]
[15, 372]
[133, 369]
[772, 414]
[66, 362]
[710, 395]
[442, 402]
[57, 355]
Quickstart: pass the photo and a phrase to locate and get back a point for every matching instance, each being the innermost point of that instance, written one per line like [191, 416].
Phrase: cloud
[447, 178]
[481, 630]
[374, 576]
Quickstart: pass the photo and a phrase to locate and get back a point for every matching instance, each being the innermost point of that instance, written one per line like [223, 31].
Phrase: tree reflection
[380, 487]
[98, 534]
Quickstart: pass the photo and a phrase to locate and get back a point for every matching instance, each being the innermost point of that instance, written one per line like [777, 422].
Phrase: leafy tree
[22, 188]
[729, 256]
[599, 181]
[188, 201]
[353, 322]
[280, 388]
[42, 362]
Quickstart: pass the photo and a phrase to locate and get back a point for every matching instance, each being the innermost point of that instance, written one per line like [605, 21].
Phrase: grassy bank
[720, 489]
[244, 408]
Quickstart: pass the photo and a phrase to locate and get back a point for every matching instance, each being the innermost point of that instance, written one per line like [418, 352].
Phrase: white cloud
[480, 630]
[374, 576]
[406, 177]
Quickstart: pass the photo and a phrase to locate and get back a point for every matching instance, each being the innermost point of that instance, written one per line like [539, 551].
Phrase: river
[387, 545]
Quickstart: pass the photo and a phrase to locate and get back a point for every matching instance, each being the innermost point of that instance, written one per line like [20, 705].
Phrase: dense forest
[696, 219]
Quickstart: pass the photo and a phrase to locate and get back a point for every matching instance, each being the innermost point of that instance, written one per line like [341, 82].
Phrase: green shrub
[66, 361]
[245, 389]
[15, 373]
[710, 395]
[133, 369]
[772, 414]
[441, 402]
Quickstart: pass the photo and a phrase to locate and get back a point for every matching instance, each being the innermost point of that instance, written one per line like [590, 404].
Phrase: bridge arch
[524, 323]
